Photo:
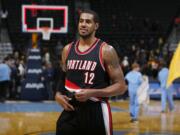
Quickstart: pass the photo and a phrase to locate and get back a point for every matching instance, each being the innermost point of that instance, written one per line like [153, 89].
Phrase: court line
[45, 106]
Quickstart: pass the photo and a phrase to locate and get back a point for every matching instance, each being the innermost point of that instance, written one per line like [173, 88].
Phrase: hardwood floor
[30, 122]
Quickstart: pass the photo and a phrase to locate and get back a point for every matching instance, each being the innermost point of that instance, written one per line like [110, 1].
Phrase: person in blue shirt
[134, 79]
[166, 93]
[5, 73]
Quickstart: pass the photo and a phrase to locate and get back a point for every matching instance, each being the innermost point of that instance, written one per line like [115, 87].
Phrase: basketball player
[89, 65]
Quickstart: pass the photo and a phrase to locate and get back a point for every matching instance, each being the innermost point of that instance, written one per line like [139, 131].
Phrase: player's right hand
[63, 100]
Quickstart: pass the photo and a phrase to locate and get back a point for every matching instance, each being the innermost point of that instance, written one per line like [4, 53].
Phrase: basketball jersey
[85, 69]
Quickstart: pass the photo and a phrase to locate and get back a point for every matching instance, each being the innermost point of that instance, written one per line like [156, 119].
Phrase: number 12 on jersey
[89, 78]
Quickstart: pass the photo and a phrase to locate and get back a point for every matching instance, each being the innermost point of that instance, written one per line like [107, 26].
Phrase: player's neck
[87, 41]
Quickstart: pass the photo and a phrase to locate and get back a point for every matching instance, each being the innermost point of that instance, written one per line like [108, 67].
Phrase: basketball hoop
[46, 33]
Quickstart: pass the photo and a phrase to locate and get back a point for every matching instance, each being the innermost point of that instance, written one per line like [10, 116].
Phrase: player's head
[88, 23]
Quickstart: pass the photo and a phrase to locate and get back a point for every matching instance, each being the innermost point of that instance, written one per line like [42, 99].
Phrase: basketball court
[39, 118]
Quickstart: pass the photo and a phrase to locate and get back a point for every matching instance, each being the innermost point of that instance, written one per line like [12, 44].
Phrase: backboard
[37, 17]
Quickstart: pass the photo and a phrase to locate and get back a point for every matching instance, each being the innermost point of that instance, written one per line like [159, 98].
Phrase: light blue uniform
[134, 79]
[4, 72]
[166, 93]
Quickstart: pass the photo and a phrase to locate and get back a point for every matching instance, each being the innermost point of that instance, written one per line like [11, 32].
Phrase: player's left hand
[82, 95]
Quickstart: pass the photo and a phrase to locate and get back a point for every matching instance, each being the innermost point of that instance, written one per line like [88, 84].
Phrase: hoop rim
[45, 29]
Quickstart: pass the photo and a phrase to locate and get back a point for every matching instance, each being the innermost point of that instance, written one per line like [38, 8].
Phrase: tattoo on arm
[112, 64]
[111, 58]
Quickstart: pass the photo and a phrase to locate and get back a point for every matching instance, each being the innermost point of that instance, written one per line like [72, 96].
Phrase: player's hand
[64, 102]
[83, 95]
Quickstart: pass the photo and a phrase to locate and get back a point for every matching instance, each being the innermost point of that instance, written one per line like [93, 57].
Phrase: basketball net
[46, 33]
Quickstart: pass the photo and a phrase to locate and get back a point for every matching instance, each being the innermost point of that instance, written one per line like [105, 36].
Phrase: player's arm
[118, 85]
[59, 97]
[111, 61]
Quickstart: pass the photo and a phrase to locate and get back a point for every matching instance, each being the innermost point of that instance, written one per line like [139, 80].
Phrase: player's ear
[96, 26]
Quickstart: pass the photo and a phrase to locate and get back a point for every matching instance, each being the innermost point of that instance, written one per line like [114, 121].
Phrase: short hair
[162, 63]
[89, 11]
[6, 59]
[135, 65]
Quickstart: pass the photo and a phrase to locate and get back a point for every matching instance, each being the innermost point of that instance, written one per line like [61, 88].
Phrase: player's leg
[107, 117]
[95, 119]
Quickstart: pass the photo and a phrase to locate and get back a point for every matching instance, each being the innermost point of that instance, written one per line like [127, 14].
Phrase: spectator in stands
[48, 74]
[125, 65]
[166, 93]
[58, 49]
[21, 68]
[13, 94]
[46, 55]
[134, 80]
[5, 73]
[125, 61]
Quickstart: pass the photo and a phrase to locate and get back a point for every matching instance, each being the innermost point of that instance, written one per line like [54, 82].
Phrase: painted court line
[25, 106]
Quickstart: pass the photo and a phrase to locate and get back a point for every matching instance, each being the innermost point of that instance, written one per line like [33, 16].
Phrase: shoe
[131, 114]
[134, 121]
[172, 110]
[162, 111]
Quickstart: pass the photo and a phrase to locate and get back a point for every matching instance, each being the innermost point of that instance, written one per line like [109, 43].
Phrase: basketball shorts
[89, 118]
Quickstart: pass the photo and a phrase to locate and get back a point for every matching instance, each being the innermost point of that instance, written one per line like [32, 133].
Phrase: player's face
[87, 26]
